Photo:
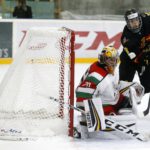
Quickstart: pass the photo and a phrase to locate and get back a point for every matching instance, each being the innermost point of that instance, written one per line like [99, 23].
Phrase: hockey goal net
[43, 68]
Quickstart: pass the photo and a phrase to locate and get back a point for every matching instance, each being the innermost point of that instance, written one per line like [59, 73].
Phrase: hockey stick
[146, 112]
[126, 88]
[109, 123]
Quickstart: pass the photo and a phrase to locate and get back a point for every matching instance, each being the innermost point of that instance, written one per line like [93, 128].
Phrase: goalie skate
[76, 133]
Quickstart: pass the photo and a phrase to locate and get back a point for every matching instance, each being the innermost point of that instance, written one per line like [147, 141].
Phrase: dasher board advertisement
[5, 41]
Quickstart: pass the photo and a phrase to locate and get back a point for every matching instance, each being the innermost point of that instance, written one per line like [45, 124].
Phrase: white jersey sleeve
[107, 90]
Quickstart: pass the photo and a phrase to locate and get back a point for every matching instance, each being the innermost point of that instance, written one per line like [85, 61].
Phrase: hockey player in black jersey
[136, 48]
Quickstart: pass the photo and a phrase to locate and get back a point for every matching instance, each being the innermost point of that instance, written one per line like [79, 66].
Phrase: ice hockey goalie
[100, 93]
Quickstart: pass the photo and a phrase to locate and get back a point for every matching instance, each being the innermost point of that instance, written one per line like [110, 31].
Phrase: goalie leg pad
[94, 115]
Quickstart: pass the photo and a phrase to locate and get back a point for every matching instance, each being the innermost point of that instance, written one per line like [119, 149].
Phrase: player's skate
[81, 131]
[76, 133]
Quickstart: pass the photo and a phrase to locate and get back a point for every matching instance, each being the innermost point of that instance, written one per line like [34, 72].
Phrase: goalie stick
[126, 88]
[109, 123]
[146, 112]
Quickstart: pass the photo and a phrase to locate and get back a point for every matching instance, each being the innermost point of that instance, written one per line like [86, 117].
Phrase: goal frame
[70, 77]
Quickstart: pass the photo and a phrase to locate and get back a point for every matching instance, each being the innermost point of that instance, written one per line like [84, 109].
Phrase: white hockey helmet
[133, 20]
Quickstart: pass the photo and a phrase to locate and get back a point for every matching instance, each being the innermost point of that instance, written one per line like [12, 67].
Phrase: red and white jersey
[98, 83]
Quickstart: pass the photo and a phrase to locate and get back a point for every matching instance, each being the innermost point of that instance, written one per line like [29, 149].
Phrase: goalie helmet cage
[42, 67]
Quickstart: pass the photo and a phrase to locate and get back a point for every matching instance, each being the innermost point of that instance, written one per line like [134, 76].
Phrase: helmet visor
[134, 22]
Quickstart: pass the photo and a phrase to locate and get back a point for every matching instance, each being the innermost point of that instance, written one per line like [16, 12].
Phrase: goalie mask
[133, 20]
[110, 58]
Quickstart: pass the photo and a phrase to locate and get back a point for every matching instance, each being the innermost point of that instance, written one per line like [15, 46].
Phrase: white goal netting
[42, 68]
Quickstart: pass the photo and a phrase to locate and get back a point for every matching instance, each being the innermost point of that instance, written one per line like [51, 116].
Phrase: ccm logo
[96, 40]
[121, 128]
[89, 120]
[100, 37]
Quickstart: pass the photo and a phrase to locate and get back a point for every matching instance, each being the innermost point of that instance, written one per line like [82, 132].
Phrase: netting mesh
[41, 69]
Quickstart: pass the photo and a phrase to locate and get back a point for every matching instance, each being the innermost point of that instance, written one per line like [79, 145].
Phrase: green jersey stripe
[93, 79]
[83, 95]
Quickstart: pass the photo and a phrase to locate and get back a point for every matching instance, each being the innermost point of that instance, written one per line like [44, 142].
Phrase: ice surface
[66, 143]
